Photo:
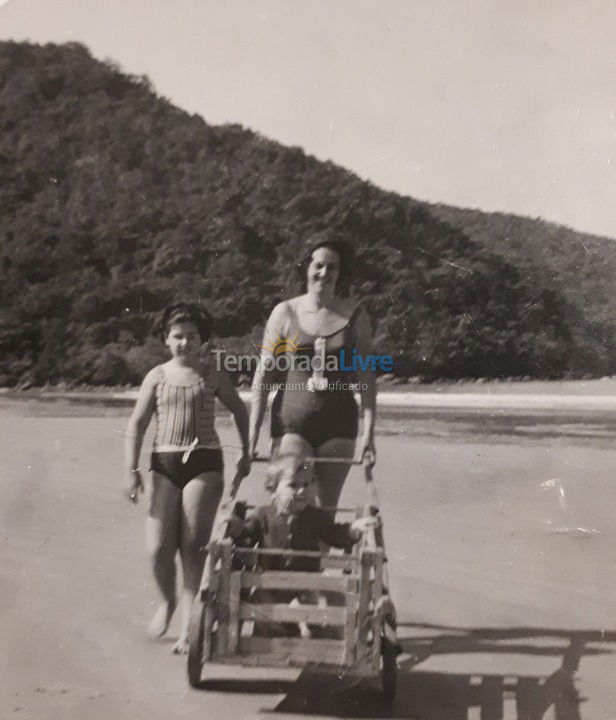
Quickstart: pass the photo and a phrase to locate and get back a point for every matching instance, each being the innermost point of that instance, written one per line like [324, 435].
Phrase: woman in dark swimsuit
[315, 413]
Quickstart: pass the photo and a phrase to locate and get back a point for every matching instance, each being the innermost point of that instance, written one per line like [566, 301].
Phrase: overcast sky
[496, 104]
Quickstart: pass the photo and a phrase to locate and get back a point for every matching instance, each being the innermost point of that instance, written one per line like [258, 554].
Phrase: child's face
[295, 490]
[183, 340]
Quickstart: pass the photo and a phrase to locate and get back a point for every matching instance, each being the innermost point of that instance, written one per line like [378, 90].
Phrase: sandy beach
[500, 534]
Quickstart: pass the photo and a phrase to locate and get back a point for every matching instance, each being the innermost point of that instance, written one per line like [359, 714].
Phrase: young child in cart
[293, 521]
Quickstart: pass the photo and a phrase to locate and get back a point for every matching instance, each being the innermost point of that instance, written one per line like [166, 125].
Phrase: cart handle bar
[337, 460]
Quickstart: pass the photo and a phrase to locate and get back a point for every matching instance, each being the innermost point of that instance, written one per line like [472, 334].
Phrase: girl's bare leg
[200, 500]
[162, 541]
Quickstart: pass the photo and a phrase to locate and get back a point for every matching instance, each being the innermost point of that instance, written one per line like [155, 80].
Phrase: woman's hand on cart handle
[234, 520]
[243, 465]
[242, 469]
[365, 524]
[253, 441]
[368, 452]
[133, 485]
[260, 458]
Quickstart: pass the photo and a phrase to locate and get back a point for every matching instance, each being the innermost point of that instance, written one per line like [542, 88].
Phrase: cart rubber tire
[389, 669]
[196, 642]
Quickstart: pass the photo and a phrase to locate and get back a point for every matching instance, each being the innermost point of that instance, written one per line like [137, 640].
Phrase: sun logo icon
[283, 345]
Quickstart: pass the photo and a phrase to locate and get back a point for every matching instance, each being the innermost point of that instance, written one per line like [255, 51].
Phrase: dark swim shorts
[201, 460]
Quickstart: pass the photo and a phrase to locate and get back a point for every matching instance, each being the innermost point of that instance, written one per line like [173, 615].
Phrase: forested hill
[113, 202]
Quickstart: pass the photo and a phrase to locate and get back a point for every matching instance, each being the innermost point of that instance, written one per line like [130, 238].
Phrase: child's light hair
[285, 465]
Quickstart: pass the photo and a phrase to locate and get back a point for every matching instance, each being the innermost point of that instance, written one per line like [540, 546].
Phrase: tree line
[115, 203]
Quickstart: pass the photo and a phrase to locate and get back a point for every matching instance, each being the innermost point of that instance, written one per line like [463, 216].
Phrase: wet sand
[501, 544]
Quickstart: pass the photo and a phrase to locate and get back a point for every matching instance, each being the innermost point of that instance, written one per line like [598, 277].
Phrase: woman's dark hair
[185, 312]
[344, 252]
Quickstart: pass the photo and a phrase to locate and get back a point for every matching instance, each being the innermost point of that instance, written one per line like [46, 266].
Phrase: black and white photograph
[307, 359]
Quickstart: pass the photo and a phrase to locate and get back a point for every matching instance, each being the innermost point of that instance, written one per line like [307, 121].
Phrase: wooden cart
[354, 629]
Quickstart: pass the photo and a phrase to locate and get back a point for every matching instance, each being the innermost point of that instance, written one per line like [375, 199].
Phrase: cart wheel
[196, 642]
[389, 668]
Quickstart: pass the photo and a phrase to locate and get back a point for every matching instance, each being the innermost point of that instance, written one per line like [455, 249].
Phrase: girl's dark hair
[344, 252]
[185, 312]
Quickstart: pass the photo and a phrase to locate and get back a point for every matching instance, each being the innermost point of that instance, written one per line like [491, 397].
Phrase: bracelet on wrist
[135, 470]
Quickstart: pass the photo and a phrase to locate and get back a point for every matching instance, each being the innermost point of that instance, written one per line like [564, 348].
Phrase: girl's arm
[367, 380]
[263, 375]
[228, 396]
[137, 426]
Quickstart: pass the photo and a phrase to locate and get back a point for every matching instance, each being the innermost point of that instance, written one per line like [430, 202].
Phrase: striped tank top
[184, 414]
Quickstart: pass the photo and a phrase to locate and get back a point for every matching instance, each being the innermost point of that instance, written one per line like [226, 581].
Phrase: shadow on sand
[440, 695]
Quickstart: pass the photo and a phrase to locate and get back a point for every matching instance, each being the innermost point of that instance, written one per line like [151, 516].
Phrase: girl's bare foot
[181, 646]
[161, 620]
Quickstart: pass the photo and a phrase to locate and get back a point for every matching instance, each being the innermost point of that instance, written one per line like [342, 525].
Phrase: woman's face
[183, 340]
[323, 270]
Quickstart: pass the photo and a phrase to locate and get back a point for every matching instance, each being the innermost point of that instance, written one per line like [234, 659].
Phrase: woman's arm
[263, 375]
[137, 426]
[367, 380]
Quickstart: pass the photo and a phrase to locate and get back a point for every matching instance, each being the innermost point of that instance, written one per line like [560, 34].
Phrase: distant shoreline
[585, 395]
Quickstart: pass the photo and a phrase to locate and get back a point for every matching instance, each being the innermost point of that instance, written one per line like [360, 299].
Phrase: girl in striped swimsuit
[186, 462]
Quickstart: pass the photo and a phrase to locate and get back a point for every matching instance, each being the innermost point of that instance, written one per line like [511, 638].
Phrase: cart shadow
[252, 687]
[454, 696]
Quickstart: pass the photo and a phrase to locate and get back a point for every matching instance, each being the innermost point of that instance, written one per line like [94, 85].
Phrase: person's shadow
[426, 695]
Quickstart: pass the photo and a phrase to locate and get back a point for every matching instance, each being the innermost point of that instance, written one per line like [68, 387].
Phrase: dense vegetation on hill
[113, 202]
